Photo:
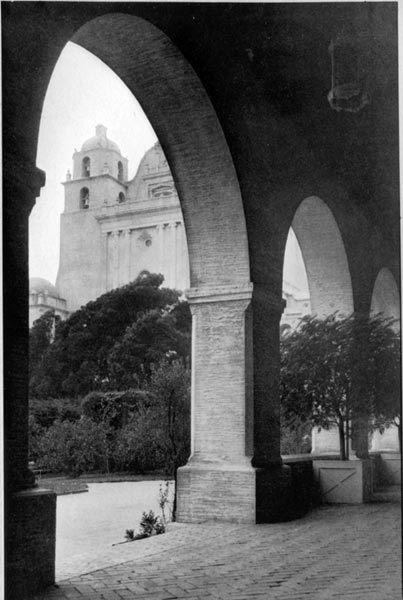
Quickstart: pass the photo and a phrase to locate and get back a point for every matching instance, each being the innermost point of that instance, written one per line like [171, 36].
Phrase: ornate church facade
[112, 228]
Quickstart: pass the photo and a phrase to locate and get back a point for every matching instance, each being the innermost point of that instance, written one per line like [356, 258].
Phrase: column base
[209, 491]
[30, 540]
[242, 493]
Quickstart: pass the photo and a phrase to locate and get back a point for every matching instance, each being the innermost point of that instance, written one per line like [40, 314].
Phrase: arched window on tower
[86, 167]
[120, 171]
[84, 198]
[121, 197]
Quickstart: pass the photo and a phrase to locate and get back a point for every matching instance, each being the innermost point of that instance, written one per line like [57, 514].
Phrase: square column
[30, 513]
[274, 484]
[218, 481]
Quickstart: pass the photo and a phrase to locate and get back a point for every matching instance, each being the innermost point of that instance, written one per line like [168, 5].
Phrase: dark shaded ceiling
[267, 71]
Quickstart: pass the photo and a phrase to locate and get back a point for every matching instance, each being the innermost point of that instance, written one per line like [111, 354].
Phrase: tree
[335, 367]
[77, 360]
[41, 336]
[151, 339]
[170, 417]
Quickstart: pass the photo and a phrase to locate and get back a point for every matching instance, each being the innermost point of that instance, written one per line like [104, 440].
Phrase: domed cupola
[100, 140]
[38, 285]
[99, 156]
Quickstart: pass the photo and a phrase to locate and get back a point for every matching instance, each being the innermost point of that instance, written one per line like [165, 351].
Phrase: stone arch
[187, 127]
[385, 296]
[386, 301]
[328, 275]
[324, 256]
[192, 139]
[84, 198]
[86, 167]
[120, 170]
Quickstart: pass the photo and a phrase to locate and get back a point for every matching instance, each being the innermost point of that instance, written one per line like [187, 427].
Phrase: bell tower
[99, 178]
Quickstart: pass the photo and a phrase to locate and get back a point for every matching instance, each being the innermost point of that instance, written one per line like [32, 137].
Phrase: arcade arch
[328, 276]
[185, 123]
[385, 297]
[386, 301]
[187, 127]
[349, 149]
[324, 257]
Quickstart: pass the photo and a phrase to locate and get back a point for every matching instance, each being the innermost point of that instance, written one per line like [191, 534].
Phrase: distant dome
[154, 159]
[99, 141]
[42, 286]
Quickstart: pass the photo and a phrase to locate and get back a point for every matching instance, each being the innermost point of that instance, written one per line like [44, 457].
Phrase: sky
[84, 92]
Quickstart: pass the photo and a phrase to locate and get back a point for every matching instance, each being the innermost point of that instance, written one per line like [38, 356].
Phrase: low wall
[387, 468]
[344, 481]
[304, 489]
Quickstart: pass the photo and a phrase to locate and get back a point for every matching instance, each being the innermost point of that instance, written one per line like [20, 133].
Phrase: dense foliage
[41, 336]
[109, 343]
[135, 430]
[335, 369]
[119, 369]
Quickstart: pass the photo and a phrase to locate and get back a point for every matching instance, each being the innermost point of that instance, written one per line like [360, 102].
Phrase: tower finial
[100, 130]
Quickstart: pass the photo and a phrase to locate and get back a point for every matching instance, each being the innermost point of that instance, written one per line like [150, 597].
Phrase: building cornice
[92, 177]
[219, 293]
[132, 208]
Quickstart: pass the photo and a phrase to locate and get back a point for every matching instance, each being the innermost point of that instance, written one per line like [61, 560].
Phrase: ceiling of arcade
[267, 71]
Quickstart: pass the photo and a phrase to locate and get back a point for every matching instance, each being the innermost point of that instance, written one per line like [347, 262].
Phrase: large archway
[386, 301]
[325, 258]
[194, 144]
[192, 139]
[275, 139]
[189, 132]
[328, 277]
[386, 297]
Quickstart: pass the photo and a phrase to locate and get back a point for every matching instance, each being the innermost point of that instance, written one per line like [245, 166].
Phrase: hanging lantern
[349, 56]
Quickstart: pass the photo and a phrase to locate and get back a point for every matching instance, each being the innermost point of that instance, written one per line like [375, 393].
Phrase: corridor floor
[336, 552]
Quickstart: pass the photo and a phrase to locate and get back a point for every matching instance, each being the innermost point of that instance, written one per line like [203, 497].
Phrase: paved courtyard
[336, 552]
[89, 524]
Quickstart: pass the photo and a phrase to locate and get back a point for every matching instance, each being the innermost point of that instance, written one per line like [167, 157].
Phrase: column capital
[23, 176]
[220, 293]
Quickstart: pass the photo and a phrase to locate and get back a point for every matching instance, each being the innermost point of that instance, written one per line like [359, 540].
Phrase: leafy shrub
[74, 448]
[47, 411]
[151, 524]
[113, 408]
[137, 447]
[169, 421]
[36, 432]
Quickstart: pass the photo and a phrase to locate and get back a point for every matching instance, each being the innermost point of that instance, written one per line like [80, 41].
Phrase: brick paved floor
[338, 552]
